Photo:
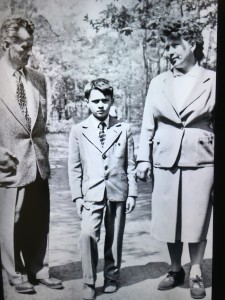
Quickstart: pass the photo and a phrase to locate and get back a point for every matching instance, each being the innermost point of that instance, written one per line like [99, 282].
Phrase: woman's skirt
[181, 203]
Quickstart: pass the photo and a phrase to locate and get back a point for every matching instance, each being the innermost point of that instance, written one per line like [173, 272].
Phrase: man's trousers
[24, 229]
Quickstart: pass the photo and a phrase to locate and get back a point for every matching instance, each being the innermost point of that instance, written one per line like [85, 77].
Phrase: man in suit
[177, 142]
[24, 165]
[102, 177]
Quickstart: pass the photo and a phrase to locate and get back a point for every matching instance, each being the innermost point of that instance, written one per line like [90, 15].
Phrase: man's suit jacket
[184, 138]
[30, 148]
[92, 169]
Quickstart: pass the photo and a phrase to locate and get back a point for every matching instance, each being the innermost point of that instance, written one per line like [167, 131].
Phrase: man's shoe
[89, 292]
[51, 283]
[172, 280]
[110, 286]
[24, 288]
[197, 288]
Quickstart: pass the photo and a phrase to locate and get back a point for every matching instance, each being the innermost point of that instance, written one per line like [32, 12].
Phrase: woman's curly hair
[190, 31]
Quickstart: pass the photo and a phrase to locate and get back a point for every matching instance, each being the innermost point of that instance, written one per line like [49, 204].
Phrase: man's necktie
[102, 134]
[21, 98]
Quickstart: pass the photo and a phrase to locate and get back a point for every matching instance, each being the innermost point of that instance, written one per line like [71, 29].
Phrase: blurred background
[80, 40]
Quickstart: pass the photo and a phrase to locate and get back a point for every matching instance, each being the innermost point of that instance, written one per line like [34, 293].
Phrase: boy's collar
[96, 121]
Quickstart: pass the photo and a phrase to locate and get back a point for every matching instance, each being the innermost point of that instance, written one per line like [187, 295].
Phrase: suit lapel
[91, 134]
[36, 96]
[167, 88]
[198, 90]
[113, 133]
[8, 97]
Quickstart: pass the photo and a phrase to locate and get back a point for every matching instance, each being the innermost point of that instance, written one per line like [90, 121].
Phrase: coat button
[104, 156]
[201, 142]
[106, 167]
[106, 177]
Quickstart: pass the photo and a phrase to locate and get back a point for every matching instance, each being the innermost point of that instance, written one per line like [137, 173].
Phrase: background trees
[117, 40]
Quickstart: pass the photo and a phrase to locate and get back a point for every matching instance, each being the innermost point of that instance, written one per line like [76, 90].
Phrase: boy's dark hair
[11, 26]
[101, 84]
[190, 31]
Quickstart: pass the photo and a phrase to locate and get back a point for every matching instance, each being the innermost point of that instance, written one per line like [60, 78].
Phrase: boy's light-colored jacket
[93, 169]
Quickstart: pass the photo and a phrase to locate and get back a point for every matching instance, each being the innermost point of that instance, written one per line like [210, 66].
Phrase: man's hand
[130, 204]
[80, 204]
[143, 170]
[8, 161]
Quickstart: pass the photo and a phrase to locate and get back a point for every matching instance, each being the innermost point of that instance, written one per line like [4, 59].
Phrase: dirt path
[145, 260]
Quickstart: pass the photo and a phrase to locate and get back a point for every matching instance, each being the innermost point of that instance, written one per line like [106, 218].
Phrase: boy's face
[99, 104]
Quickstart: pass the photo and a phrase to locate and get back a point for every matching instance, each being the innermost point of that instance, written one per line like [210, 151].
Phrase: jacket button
[106, 177]
[106, 167]
[201, 142]
[104, 156]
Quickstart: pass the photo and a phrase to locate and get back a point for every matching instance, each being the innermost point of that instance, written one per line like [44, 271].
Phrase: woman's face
[180, 53]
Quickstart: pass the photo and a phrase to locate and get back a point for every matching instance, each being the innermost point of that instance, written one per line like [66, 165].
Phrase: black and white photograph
[107, 148]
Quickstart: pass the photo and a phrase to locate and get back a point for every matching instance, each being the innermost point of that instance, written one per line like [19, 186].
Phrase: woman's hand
[143, 170]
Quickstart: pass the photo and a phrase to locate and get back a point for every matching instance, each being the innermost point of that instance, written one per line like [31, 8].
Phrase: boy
[102, 177]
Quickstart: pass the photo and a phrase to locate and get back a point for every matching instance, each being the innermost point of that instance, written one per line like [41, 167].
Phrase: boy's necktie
[102, 134]
[21, 98]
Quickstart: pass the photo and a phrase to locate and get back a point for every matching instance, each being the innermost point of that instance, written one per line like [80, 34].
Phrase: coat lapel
[8, 97]
[113, 133]
[36, 96]
[91, 134]
[198, 90]
[167, 88]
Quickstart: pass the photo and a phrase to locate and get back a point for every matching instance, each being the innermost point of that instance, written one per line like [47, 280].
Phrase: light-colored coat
[180, 146]
[30, 148]
[166, 133]
[92, 169]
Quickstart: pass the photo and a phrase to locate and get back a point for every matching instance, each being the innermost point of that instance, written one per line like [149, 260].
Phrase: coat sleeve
[148, 127]
[131, 172]
[74, 165]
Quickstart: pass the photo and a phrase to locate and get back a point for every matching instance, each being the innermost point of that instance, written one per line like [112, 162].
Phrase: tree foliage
[146, 16]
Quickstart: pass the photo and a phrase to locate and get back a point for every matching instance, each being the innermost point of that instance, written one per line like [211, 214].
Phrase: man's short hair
[176, 29]
[11, 26]
[100, 84]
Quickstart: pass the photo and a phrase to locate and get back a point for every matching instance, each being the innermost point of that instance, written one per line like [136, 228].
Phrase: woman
[177, 141]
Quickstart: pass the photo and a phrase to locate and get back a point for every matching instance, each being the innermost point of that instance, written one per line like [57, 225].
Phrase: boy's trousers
[90, 234]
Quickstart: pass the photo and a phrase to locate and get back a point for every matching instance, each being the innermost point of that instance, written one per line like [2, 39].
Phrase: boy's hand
[130, 204]
[144, 170]
[80, 204]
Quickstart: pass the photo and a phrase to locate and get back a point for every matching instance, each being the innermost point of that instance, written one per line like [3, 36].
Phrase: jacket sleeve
[148, 127]
[74, 165]
[131, 172]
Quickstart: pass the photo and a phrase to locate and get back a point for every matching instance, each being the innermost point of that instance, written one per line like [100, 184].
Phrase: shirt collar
[9, 69]
[193, 72]
[95, 121]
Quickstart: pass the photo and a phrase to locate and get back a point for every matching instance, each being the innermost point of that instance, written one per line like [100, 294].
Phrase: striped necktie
[21, 98]
[102, 134]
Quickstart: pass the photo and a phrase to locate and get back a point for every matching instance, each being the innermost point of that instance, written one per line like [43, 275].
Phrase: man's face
[99, 104]
[19, 50]
[179, 53]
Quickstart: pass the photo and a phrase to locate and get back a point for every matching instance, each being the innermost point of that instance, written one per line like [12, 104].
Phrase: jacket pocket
[205, 150]
[119, 150]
